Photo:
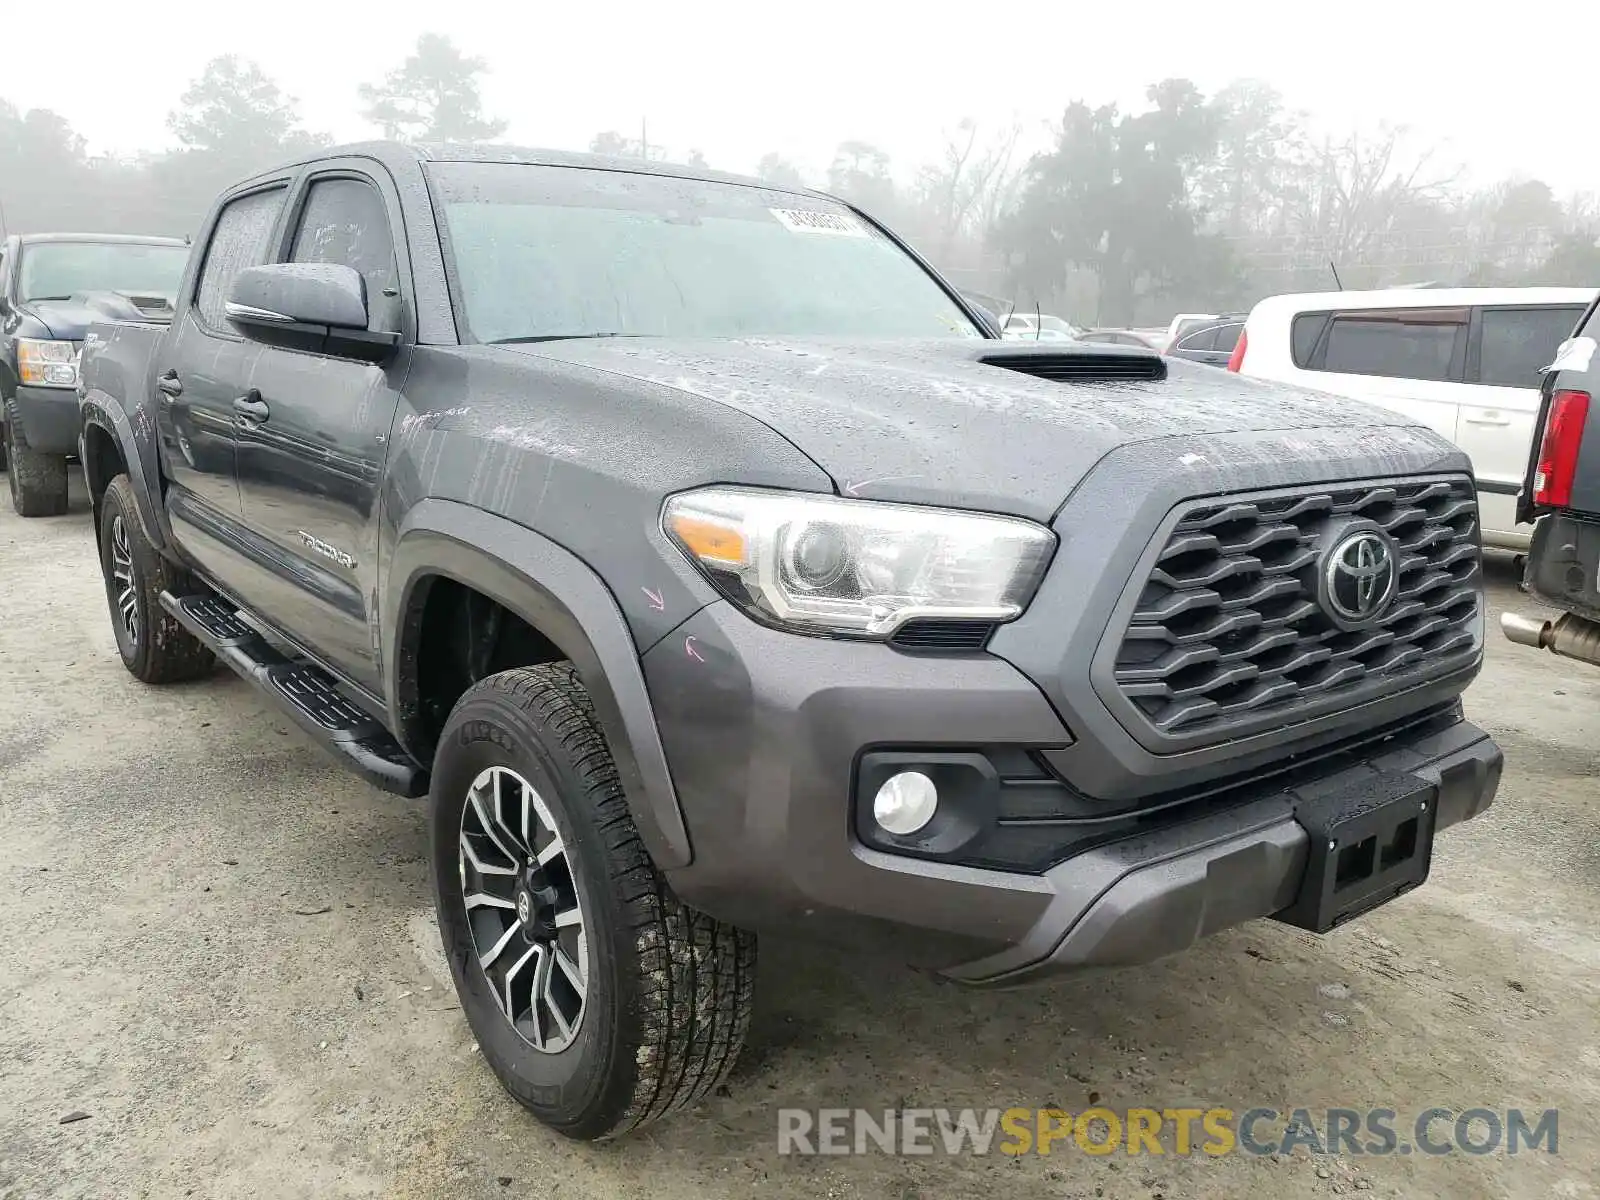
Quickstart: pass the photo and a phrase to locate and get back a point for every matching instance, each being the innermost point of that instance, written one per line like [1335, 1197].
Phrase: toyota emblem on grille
[1360, 576]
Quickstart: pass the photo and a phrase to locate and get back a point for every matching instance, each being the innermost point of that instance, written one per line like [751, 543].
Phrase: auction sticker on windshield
[802, 221]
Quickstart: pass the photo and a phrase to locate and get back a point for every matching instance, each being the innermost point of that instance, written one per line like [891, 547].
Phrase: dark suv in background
[1212, 343]
[1561, 494]
[52, 286]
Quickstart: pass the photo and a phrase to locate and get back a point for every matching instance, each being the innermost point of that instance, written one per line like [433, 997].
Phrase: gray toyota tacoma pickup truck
[713, 567]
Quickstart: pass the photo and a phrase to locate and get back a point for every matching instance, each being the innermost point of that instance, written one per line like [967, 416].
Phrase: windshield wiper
[556, 337]
[34, 299]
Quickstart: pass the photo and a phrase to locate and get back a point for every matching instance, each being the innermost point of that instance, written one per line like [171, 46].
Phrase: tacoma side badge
[321, 547]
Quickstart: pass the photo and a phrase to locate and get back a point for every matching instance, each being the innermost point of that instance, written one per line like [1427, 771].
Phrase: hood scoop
[1088, 367]
[125, 306]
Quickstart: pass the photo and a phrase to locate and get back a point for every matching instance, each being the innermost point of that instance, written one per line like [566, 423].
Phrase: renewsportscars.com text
[1176, 1131]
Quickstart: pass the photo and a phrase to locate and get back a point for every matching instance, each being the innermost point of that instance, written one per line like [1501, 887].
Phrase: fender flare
[560, 596]
[138, 456]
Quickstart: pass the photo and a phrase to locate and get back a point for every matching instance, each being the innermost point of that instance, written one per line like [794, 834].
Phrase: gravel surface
[217, 954]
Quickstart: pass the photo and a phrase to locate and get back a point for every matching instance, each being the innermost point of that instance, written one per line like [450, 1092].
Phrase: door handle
[251, 407]
[1488, 420]
[169, 385]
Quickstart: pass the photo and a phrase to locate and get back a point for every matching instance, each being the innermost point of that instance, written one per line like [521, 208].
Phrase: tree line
[1187, 202]
[1197, 203]
[230, 122]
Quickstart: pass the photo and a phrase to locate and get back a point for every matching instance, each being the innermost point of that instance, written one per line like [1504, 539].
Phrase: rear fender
[135, 440]
[557, 594]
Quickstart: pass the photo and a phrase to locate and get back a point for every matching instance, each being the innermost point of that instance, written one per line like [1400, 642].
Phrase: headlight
[861, 568]
[47, 364]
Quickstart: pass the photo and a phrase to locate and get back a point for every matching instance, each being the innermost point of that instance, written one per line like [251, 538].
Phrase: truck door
[202, 367]
[311, 449]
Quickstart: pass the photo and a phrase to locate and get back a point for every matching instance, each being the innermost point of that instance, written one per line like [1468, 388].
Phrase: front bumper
[49, 418]
[767, 734]
[1155, 895]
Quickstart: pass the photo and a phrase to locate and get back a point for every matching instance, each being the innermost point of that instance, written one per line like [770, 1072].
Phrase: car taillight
[1236, 359]
[1558, 452]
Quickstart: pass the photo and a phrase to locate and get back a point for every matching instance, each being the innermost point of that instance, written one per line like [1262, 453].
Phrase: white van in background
[1465, 361]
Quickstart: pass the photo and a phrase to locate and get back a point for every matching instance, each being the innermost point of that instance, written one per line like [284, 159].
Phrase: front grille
[1084, 368]
[1228, 634]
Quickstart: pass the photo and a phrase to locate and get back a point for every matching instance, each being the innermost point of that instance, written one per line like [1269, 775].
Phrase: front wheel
[38, 481]
[599, 999]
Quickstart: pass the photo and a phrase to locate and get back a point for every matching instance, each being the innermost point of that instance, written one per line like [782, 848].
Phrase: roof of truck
[29, 239]
[392, 153]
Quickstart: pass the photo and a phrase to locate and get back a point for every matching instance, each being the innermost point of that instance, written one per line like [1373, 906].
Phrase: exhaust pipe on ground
[1568, 635]
[1524, 631]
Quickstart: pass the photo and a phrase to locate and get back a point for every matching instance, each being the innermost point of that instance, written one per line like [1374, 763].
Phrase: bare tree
[959, 195]
[1583, 210]
[1356, 190]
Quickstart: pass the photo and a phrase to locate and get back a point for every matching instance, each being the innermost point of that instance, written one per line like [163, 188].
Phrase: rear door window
[1304, 337]
[238, 240]
[1206, 339]
[1422, 343]
[1228, 337]
[1516, 344]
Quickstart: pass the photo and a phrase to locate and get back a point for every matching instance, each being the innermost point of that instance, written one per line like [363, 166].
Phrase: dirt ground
[219, 946]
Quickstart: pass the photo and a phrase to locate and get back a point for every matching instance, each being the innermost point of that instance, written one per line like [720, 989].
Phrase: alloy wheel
[526, 917]
[122, 581]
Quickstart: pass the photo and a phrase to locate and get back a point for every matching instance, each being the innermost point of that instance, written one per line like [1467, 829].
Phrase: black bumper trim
[1149, 897]
[49, 418]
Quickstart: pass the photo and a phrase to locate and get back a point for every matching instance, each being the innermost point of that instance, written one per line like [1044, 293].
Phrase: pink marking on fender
[688, 648]
[656, 602]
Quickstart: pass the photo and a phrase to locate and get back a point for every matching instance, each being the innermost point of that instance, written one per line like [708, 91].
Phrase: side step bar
[303, 691]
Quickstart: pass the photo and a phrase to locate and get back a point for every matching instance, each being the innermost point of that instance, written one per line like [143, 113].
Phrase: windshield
[57, 270]
[550, 252]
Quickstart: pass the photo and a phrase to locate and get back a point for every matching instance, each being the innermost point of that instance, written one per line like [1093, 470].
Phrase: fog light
[905, 802]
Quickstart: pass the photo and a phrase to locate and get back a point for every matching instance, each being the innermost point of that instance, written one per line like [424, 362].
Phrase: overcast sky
[739, 79]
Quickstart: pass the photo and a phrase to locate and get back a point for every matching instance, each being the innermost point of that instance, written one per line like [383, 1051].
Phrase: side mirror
[298, 294]
[320, 307]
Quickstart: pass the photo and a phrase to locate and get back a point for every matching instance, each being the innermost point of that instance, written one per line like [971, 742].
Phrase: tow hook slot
[1370, 841]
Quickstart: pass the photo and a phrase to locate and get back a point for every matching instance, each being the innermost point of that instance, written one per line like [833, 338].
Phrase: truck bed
[116, 392]
[119, 363]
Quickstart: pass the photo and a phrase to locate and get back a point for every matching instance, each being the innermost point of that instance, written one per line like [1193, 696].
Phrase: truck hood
[928, 422]
[69, 320]
[65, 320]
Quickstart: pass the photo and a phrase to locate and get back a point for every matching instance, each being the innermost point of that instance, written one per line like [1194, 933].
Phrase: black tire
[38, 481]
[154, 646]
[668, 992]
